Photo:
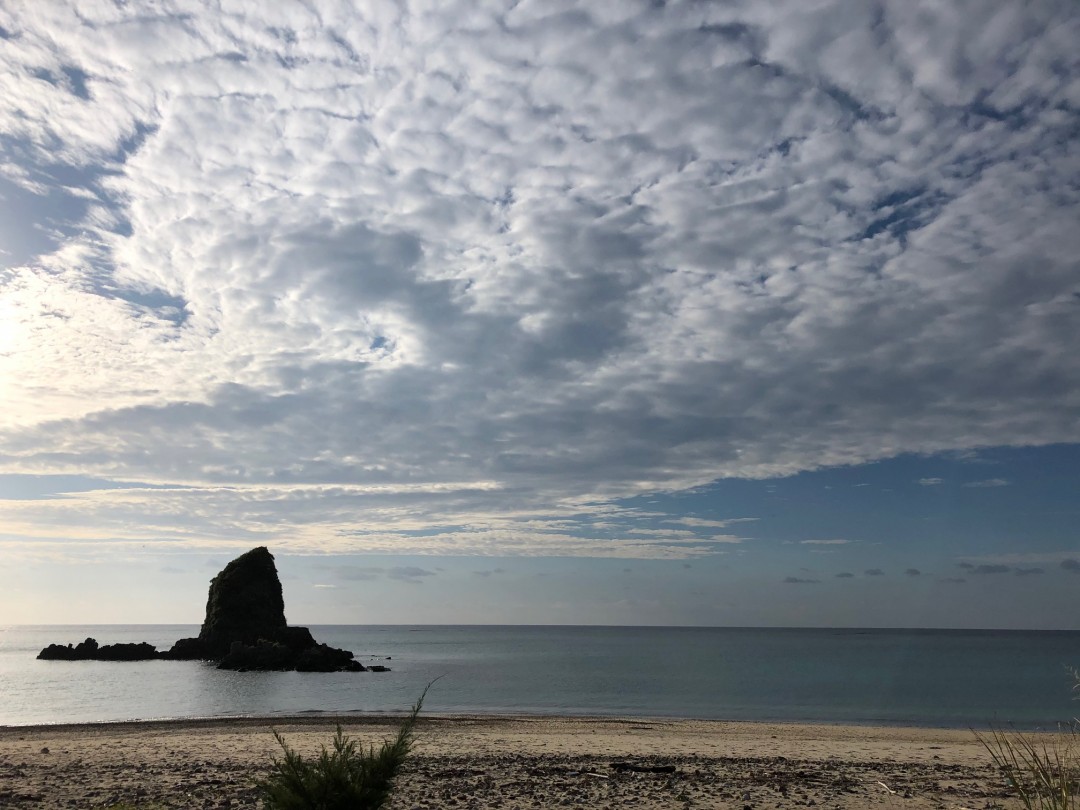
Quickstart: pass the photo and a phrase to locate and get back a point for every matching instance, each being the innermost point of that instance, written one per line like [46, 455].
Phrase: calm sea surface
[916, 677]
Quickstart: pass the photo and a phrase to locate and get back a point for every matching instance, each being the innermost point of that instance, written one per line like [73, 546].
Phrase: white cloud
[726, 538]
[987, 483]
[833, 542]
[930, 482]
[309, 519]
[674, 534]
[710, 524]
[550, 255]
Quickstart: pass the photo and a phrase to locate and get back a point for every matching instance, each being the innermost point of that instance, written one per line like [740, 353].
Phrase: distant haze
[606, 312]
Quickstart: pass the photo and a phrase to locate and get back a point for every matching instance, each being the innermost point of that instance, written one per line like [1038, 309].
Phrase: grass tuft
[1044, 771]
[346, 778]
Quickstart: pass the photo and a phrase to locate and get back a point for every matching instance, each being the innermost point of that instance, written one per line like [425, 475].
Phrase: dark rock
[297, 639]
[58, 652]
[142, 651]
[186, 649]
[273, 655]
[378, 668]
[263, 655]
[244, 629]
[244, 604]
[86, 649]
[324, 658]
[89, 650]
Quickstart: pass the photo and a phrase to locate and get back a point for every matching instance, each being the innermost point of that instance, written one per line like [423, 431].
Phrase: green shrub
[1043, 770]
[346, 778]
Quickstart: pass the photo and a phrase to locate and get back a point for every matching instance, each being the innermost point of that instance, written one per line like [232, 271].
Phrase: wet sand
[512, 762]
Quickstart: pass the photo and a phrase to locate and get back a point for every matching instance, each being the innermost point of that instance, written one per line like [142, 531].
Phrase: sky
[666, 313]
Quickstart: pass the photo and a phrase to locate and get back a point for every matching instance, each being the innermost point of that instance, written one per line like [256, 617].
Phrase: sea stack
[244, 604]
[245, 625]
[244, 629]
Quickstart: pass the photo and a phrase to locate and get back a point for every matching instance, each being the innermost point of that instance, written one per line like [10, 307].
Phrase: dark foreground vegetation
[345, 778]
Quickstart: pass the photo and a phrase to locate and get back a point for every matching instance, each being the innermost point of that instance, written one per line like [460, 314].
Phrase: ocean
[939, 678]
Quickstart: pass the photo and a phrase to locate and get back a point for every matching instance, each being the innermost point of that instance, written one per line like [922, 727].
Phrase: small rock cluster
[90, 650]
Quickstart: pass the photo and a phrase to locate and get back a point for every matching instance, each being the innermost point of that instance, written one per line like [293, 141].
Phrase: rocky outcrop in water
[244, 629]
[244, 605]
[89, 650]
[272, 655]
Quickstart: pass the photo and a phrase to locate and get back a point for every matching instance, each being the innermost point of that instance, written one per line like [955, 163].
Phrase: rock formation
[244, 605]
[90, 651]
[244, 629]
[245, 625]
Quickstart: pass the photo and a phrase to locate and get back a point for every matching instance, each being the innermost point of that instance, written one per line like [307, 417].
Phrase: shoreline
[361, 717]
[484, 761]
[380, 717]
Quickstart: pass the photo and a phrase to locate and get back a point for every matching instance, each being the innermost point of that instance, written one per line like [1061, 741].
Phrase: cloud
[800, 581]
[913, 572]
[845, 575]
[987, 569]
[317, 519]
[836, 542]
[360, 573]
[1071, 565]
[930, 482]
[401, 573]
[564, 258]
[714, 524]
[999, 568]
[490, 573]
[874, 572]
[989, 483]
[408, 573]
[673, 534]
[726, 538]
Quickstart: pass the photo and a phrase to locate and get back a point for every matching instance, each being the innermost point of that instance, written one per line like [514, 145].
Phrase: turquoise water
[908, 677]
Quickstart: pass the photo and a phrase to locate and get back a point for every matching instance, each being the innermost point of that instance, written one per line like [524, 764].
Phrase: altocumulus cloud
[402, 573]
[989, 568]
[352, 280]
[988, 483]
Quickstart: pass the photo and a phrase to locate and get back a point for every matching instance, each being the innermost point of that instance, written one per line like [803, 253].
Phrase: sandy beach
[512, 762]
